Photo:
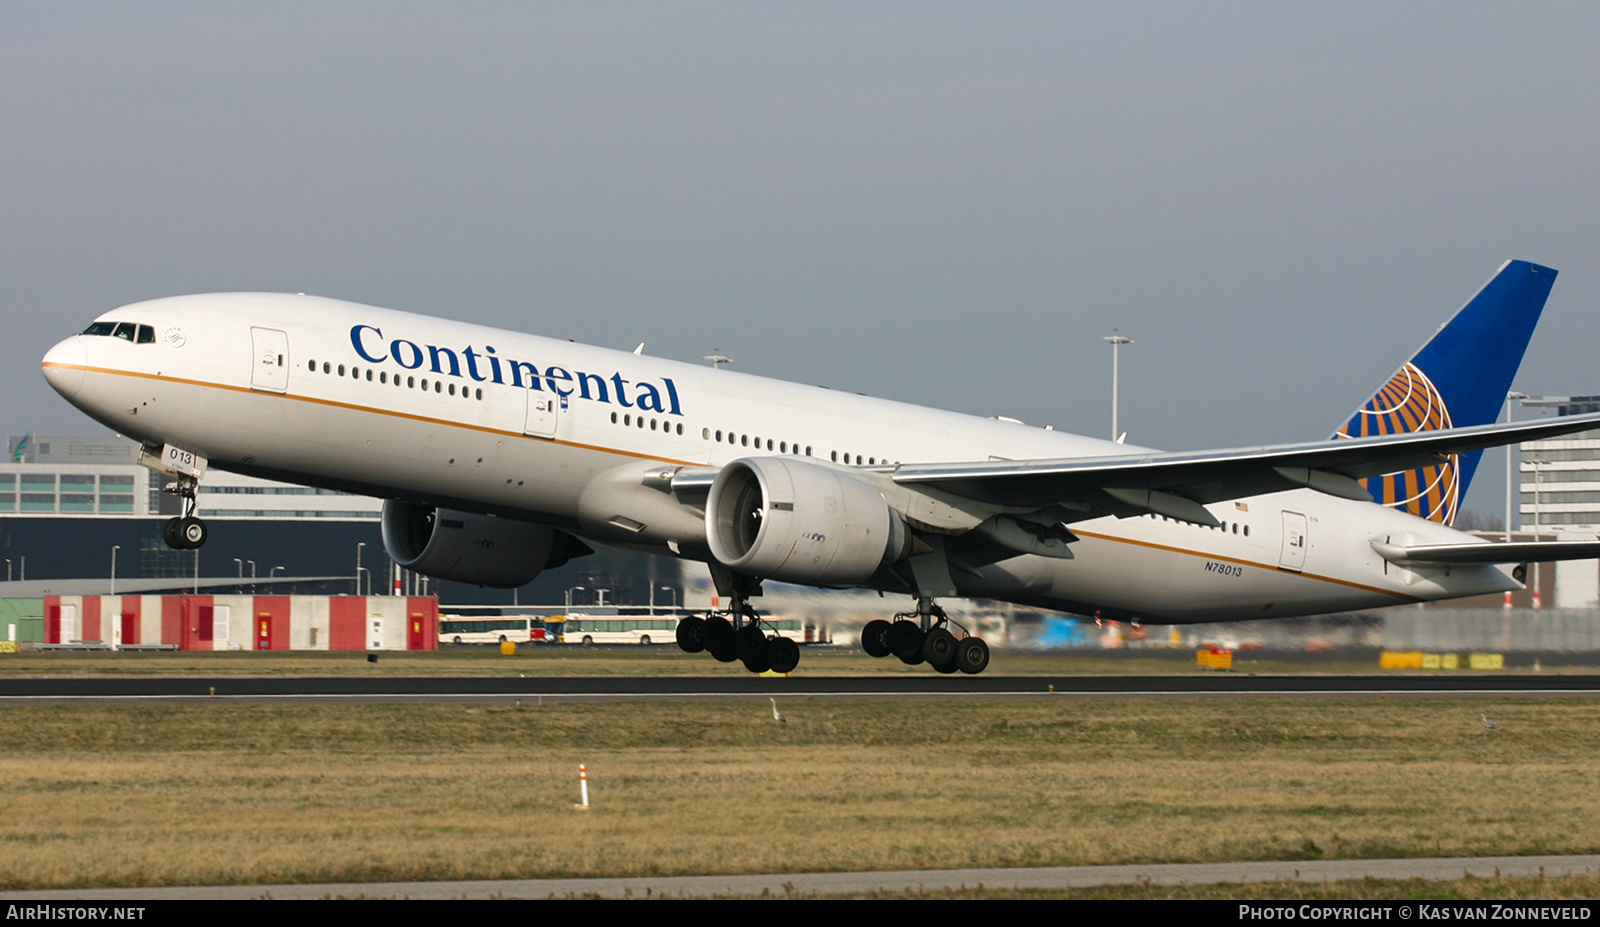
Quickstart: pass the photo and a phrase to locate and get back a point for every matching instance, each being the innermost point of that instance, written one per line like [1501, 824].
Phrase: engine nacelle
[797, 522]
[467, 548]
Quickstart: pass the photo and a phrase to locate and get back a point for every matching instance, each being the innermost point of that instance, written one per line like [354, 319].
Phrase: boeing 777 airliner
[503, 454]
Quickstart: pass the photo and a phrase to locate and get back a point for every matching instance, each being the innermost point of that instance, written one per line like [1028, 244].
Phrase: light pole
[1116, 339]
[359, 545]
[1538, 480]
[674, 592]
[240, 562]
[1511, 397]
[114, 549]
[569, 595]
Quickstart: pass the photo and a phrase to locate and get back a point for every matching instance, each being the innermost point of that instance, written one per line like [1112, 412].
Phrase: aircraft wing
[1178, 484]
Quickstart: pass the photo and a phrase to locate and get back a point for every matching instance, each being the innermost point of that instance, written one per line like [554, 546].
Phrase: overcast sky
[943, 203]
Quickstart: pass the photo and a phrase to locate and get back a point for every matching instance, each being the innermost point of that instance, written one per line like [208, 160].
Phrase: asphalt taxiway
[669, 688]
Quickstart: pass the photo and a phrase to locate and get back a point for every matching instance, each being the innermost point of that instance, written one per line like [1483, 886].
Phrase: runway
[809, 884]
[672, 688]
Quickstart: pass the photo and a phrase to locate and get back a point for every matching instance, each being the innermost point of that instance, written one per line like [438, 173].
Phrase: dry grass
[1507, 888]
[630, 661]
[220, 793]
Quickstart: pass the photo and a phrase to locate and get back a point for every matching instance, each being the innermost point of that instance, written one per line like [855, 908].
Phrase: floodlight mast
[1116, 339]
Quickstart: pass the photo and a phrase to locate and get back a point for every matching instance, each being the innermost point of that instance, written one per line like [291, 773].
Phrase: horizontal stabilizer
[1519, 552]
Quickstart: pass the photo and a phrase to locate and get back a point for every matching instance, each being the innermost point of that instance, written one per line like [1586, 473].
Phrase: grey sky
[940, 203]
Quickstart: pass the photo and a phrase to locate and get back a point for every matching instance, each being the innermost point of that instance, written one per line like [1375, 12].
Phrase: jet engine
[480, 549]
[797, 522]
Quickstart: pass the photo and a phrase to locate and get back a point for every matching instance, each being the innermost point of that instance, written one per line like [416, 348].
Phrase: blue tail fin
[1459, 378]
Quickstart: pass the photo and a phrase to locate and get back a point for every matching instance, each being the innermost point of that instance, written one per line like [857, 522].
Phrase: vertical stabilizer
[1459, 378]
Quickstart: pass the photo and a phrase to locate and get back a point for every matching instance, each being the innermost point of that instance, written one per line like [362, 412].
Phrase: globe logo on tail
[1408, 403]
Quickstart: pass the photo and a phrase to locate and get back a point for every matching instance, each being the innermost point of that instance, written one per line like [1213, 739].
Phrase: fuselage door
[1293, 556]
[542, 411]
[269, 360]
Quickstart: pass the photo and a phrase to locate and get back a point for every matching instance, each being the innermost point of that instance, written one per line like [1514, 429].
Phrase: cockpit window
[127, 331]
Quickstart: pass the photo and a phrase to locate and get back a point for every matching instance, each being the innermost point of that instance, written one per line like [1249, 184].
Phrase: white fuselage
[330, 393]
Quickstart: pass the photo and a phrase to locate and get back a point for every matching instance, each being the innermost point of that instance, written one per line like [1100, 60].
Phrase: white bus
[643, 629]
[494, 629]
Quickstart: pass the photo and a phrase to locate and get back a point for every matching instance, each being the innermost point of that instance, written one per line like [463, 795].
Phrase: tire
[691, 634]
[169, 533]
[644, 640]
[947, 668]
[972, 655]
[939, 647]
[875, 638]
[457, 640]
[783, 655]
[587, 640]
[718, 638]
[761, 661]
[193, 532]
[503, 639]
[905, 642]
[750, 643]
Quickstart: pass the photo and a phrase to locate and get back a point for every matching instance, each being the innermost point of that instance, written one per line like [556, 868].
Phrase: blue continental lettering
[595, 387]
[533, 374]
[434, 353]
[649, 398]
[584, 379]
[553, 374]
[355, 339]
[416, 354]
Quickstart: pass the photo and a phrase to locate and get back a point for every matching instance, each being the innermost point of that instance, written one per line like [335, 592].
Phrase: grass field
[641, 661]
[229, 793]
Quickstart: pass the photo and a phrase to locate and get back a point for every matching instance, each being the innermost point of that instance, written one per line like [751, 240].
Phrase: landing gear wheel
[193, 531]
[972, 655]
[185, 533]
[761, 662]
[905, 642]
[750, 643]
[783, 655]
[947, 668]
[717, 635]
[875, 638]
[691, 634]
[939, 647]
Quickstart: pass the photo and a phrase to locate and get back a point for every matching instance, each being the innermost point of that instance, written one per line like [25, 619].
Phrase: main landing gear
[924, 636]
[187, 531]
[737, 635]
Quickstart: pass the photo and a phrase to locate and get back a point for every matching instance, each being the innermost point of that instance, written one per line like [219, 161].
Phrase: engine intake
[798, 522]
[480, 549]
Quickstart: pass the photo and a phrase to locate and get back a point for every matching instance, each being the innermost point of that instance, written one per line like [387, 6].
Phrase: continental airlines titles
[486, 367]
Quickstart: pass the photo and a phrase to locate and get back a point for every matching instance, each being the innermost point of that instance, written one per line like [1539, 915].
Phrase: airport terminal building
[72, 506]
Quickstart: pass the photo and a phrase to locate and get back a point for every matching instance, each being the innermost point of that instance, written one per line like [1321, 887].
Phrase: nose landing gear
[187, 531]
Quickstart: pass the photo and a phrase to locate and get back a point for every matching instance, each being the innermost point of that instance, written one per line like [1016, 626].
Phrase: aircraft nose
[63, 366]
